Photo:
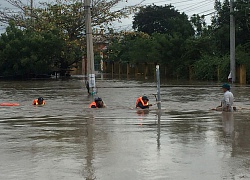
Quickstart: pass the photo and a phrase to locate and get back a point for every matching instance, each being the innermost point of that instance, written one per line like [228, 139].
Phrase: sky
[189, 7]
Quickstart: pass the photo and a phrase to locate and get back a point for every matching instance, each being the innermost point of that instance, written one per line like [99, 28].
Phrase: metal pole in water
[90, 51]
[232, 41]
[158, 87]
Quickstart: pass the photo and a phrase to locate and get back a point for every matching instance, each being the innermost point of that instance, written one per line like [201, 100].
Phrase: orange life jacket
[35, 102]
[140, 100]
[93, 104]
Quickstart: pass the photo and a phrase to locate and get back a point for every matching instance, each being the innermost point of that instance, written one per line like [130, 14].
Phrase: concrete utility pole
[31, 11]
[31, 7]
[232, 41]
[90, 51]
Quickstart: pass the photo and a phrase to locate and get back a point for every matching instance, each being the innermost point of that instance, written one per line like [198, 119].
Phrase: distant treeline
[165, 36]
[51, 40]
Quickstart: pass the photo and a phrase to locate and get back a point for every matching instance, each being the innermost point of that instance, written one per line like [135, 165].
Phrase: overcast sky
[189, 7]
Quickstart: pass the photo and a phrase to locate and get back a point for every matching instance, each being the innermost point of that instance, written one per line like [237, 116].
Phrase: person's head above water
[145, 99]
[99, 102]
[98, 99]
[40, 100]
[226, 87]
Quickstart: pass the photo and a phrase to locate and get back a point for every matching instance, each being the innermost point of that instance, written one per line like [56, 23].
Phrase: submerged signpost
[158, 87]
[90, 51]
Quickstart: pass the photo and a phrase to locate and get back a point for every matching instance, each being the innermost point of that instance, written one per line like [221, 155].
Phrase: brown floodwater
[66, 140]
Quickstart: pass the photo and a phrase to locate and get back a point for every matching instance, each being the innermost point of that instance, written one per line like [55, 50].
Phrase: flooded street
[65, 140]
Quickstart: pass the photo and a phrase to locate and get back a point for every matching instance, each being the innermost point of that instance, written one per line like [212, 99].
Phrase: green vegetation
[182, 45]
[52, 38]
[26, 53]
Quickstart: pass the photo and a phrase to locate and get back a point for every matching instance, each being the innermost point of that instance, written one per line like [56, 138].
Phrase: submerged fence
[147, 70]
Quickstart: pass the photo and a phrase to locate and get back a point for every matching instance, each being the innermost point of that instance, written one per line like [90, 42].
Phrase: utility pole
[31, 7]
[90, 51]
[232, 41]
[31, 12]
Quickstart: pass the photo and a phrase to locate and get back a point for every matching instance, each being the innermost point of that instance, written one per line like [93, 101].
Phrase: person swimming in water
[142, 103]
[39, 101]
[97, 103]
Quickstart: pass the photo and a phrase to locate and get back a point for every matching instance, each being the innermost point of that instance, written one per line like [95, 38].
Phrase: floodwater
[65, 140]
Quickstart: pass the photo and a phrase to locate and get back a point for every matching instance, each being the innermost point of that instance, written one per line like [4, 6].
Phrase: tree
[67, 19]
[134, 47]
[221, 23]
[221, 26]
[172, 51]
[199, 24]
[66, 14]
[163, 20]
[222, 15]
[207, 67]
[242, 16]
[27, 53]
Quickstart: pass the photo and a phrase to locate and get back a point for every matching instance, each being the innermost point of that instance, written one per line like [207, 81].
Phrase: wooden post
[146, 71]
[190, 73]
[165, 71]
[136, 70]
[119, 69]
[128, 70]
[155, 64]
[112, 69]
[242, 72]
[105, 66]
[218, 73]
[84, 65]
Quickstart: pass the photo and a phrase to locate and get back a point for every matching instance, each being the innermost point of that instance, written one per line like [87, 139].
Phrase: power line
[204, 4]
[178, 2]
[189, 4]
[169, 2]
[207, 11]
[190, 8]
[210, 13]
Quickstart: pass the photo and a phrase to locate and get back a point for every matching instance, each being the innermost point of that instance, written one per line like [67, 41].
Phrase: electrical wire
[190, 7]
[195, 6]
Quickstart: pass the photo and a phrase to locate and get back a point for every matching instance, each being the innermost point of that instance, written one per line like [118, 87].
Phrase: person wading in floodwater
[142, 103]
[227, 101]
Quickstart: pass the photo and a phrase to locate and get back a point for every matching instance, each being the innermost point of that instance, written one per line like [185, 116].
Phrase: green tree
[242, 16]
[27, 53]
[169, 50]
[199, 24]
[134, 47]
[69, 15]
[163, 20]
[221, 26]
[67, 19]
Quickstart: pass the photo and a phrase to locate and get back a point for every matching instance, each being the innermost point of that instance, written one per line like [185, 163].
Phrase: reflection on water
[228, 123]
[90, 170]
[159, 129]
[67, 140]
